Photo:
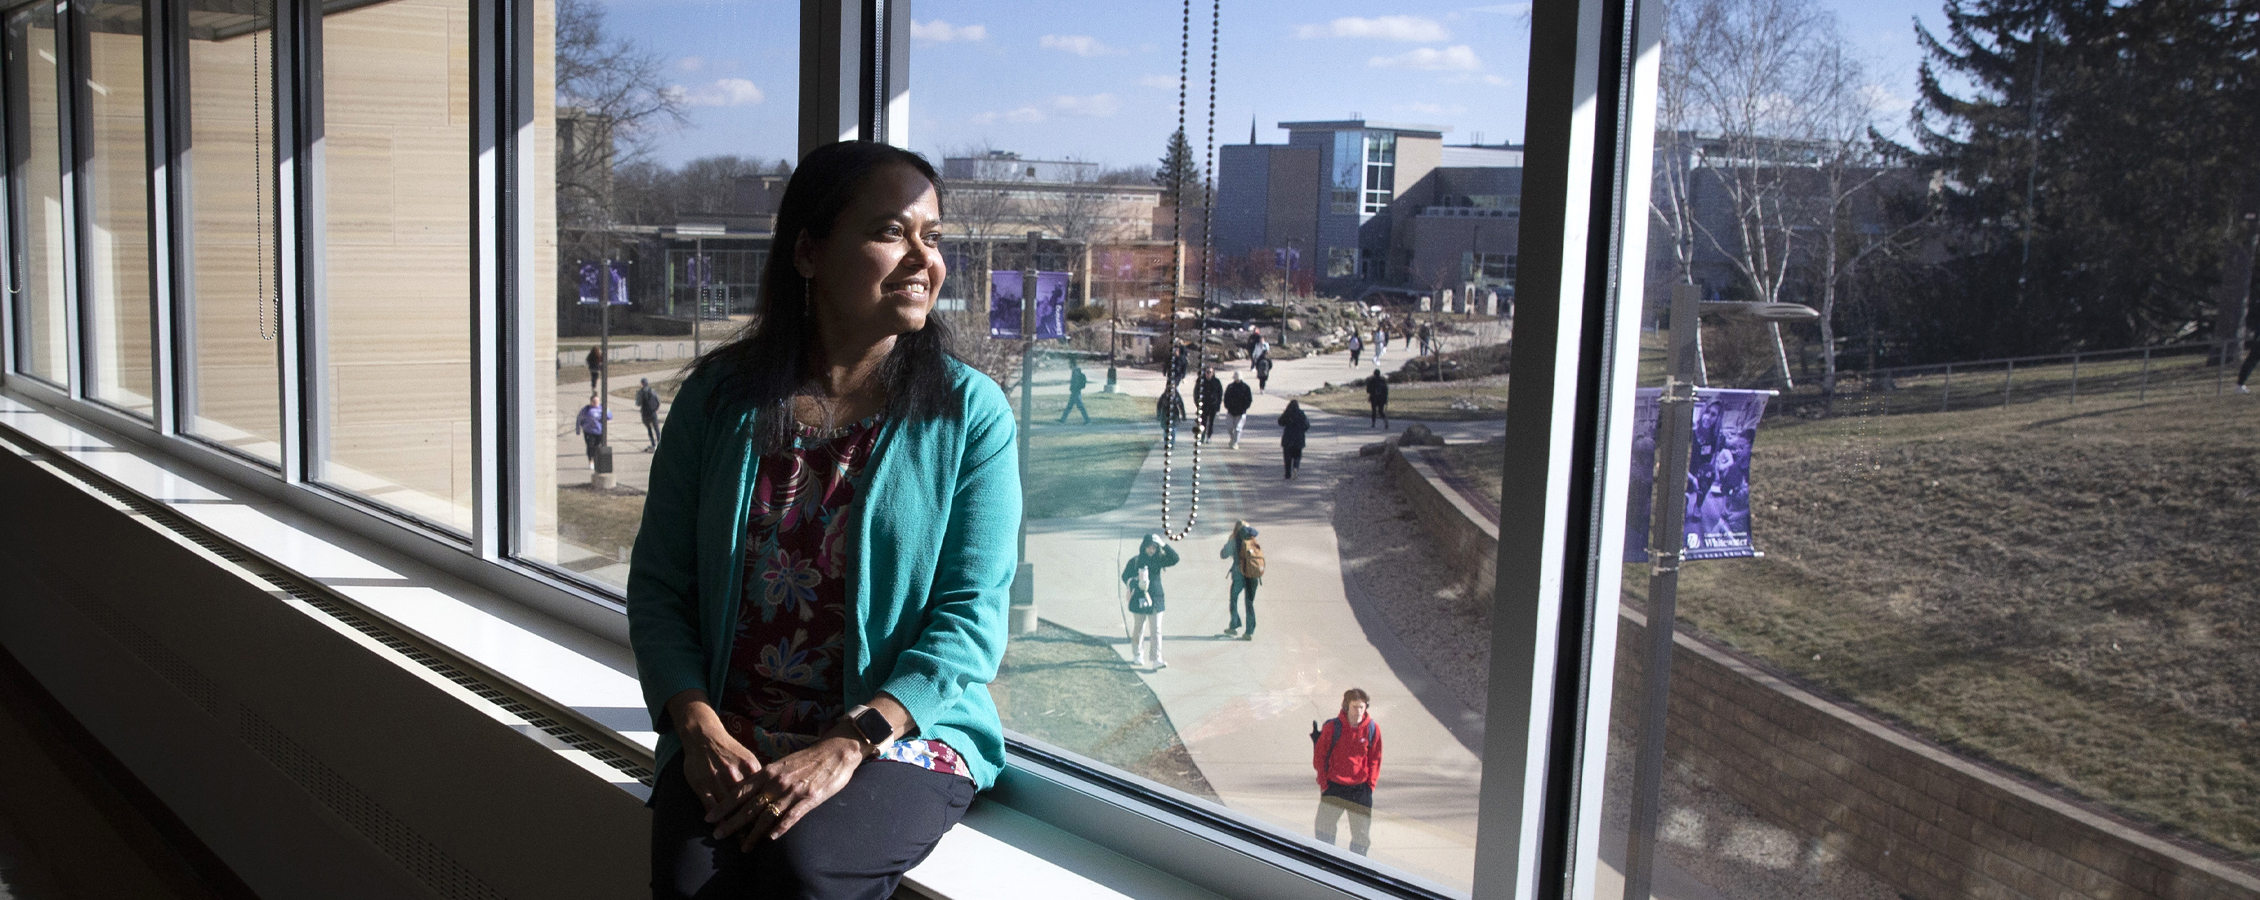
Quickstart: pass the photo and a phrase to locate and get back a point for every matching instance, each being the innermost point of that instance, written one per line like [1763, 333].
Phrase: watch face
[874, 726]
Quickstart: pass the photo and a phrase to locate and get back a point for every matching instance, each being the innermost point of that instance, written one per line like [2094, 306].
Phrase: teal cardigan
[936, 535]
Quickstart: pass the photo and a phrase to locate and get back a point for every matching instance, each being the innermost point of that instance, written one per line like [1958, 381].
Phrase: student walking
[2251, 358]
[1380, 343]
[1293, 425]
[1169, 410]
[1237, 399]
[589, 424]
[1207, 396]
[1246, 574]
[1263, 372]
[1357, 345]
[1076, 381]
[1347, 755]
[647, 407]
[595, 361]
[1147, 599]
[1377, 398]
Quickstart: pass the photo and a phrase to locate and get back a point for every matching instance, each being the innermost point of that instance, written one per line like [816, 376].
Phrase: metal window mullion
[11, 220]
[831, 72]
[68, 84]
[178, 407]
[156, 63]
[490, 351]
[888, 46]
[1554, 525]
[297, 93]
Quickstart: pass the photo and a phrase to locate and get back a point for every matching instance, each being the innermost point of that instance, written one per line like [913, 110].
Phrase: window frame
[1592, 99]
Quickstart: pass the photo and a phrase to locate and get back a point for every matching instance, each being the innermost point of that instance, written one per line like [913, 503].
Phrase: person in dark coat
[1357, 346]
[1263, 372]
[1237, 399]
[1169, 410]
[1147, 598]
[1207, 396]
[647, 407]
[1076, 381]
[1293, 425]
[1377, 398]
[1180, 362]
[595, 361]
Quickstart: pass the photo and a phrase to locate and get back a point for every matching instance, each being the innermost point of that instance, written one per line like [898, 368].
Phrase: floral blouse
[783, 688]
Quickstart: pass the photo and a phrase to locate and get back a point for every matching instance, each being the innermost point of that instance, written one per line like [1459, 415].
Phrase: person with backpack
[1076, 381]
[1246, 572]
[1357, 346]
[1147, 599]
[1263, 372]
[647, 406]
[1346, 751]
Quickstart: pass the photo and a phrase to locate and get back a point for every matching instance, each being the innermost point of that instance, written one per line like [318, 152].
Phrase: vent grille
[201, 689]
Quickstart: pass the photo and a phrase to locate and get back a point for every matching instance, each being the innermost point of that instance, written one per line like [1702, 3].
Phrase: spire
[1251, 129]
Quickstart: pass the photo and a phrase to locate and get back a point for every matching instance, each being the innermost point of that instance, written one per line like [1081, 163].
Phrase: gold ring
[771, 806]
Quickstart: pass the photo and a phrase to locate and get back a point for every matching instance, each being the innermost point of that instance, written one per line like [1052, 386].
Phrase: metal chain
[1171, 416]
[259, 202]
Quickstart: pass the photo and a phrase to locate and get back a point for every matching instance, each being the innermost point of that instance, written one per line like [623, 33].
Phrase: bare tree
[612, 101]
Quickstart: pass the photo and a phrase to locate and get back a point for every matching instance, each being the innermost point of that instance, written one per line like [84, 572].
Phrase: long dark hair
[770, 361]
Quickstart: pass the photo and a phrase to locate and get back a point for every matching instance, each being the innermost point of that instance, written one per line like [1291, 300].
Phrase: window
[395, 295]
[231, 389]
[1229, 721]
[1487, 269]
[40, 224]
[115, 179]
[676, 132]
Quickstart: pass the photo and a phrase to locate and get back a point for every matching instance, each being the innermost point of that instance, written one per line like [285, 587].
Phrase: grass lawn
[604, 521]
[1071, 690]
[1073, 473]
[1105, 408]
[1481, 464]
[1418, 402]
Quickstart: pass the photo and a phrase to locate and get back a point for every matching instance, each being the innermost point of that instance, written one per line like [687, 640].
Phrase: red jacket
[1356, 752]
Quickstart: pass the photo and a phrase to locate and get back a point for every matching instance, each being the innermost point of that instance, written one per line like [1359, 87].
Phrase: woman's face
[875, 276]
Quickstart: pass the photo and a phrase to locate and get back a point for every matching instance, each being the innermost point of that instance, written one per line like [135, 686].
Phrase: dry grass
[1075, 692]
[2068, 591]
[1418, 403]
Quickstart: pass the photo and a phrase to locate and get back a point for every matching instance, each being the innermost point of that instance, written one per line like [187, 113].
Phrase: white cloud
[941, 32]
[1093, 106]
[1387, 28]
[1456, 58]
[720, 92]
[1504, 9]
[1165, 82]
[691, 64]
[1078, 44]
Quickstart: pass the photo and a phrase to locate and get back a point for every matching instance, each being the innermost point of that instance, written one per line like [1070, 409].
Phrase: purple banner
[591, 282]
[1718, 474]
[1004, 304]
[1051, 305]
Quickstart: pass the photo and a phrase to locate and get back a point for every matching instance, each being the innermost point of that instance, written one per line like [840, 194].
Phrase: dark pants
[1354, 357]
[1263, 380]
[855, 845]
[1294, 459]
[1247, 586]
[1075, 404]
[594, 440]
[2245, 374]
[651, 427]
[1380, 411]
[1355, 799]
[1208, 423]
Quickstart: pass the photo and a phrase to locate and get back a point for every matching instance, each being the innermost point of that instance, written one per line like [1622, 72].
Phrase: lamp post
[1667, 524]
[1023, 611]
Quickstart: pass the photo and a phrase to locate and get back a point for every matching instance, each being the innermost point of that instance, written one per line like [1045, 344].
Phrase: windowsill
[556, 664]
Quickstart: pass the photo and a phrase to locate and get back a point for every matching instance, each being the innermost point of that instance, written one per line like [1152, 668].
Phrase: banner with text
[1718, 474]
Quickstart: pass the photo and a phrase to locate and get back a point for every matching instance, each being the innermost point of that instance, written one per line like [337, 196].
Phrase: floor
[74, 825]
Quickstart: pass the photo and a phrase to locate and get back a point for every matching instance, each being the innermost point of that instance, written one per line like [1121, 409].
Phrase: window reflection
[35, 150]
[231, 389]
[116, 176]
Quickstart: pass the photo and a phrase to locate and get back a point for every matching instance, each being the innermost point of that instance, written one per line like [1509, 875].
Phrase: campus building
[1371, 207]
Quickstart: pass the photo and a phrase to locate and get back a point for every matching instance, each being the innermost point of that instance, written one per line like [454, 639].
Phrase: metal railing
[2136, 373]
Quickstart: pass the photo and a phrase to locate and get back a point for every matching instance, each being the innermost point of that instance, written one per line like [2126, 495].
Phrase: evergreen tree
[1180, 172]
[2091, 178]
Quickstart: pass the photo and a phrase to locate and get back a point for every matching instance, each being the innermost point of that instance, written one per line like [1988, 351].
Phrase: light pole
[1667, 525]
[1023, 612]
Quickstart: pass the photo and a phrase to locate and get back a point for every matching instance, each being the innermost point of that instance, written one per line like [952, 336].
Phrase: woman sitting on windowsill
[818, 595]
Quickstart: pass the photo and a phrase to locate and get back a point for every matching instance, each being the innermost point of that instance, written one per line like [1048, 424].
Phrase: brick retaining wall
[1930, 823]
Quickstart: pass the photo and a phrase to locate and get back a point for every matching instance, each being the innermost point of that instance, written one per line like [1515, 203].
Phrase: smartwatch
[873, 727]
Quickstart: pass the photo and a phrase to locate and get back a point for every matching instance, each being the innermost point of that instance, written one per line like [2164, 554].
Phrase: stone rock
[1377, 448]
[1418, 435]
[1294, 324]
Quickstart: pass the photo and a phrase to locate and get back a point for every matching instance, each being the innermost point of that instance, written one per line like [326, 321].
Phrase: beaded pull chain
[1208, 200]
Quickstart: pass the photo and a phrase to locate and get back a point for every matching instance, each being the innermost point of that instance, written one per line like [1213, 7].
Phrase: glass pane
[232, 389]
[1998, 642]
[1365, 583]
[35, 145]
[117, 181]
[396, 285]
[663, 138]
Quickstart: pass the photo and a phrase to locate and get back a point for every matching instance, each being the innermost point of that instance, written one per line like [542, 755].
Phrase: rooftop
[1367, 125]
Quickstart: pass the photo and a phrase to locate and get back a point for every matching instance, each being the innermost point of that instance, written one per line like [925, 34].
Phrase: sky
[1097, 81]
